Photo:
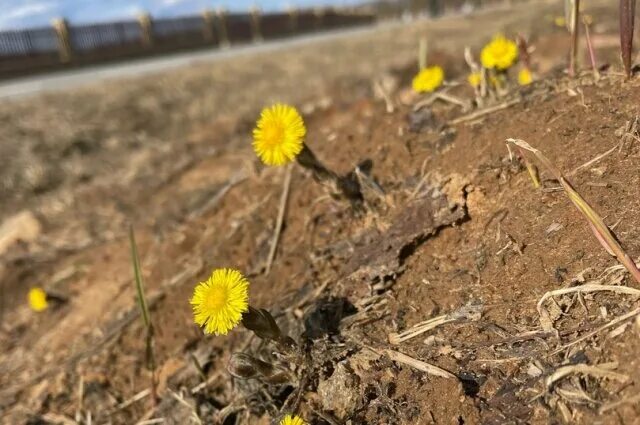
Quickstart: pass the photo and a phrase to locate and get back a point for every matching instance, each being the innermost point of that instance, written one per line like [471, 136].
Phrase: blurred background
[43, 35]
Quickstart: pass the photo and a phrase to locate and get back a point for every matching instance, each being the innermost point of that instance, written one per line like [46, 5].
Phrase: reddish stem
[592, 53]
[627, 20]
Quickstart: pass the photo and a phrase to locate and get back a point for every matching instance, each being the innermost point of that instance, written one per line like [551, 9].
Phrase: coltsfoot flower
[38, 299]
[292, 420]
[279, 134]
[500, 53]
[524, 77]
[475, 78]
[428, 79]
[218, 302]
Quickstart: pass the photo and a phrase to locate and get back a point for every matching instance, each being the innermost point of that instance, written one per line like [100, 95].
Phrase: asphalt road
[63, 80]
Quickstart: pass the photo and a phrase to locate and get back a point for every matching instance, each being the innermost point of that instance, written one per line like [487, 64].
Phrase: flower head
[279, 133]
[475, 78]
[500, 53]
[38, 299]
[292, 420]
[218, 302]
[428, 79]
[559, 21]
[524, 77]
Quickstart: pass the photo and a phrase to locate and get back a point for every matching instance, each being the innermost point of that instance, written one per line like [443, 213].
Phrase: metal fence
[163, 28]
[90, 37]
[28, 42]
[63, 45]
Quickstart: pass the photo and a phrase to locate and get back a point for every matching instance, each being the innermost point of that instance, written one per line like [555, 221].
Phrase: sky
[32, 13]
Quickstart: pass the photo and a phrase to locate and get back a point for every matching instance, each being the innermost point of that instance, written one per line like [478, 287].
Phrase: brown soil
[459, 228]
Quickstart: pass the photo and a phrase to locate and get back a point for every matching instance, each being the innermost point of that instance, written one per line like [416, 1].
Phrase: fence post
[255, 24]
[221, 27]
[207, 29]
[144, 20]
[61, 27]
[319, 13]
[293, 19]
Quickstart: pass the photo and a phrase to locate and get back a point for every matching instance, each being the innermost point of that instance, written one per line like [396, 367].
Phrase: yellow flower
[218, 302]
[524, 77]
[279, 133]
[38, 299]
[292, 420]
[500, 53]
[559, 21]
[428, 79]
[475, 78]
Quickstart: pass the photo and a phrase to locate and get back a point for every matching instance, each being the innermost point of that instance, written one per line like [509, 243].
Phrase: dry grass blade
[602, 371]
[531, 169]
[464, 313]
[58, 419]
[151, 421]
[180, 399]
[533, 173]
[135, 259]
[142, 394]
[599, 228]
[592, 161]
[587, 288]
[610, 406]
[468, 57]
[398, 357]
[575, 37]
[418, 329]
[482, 112]
[144, 311]
[384, 93]
[453, 100]
[219, 195]
[611, 324]
[545, 318]
[418, 364]
[627, 21]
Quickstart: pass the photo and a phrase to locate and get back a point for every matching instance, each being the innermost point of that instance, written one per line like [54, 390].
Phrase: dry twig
[418, 364]
[139, 396]
[180, 399]
[463, 313]
[545, 319]
[233, 181]
[610, 406]
[611, 324]
[593, 161]
[482, 112]
[601, 371]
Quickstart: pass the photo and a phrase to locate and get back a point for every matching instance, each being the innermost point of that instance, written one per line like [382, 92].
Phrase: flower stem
[592, 54]
[349, 188]
[264, 326]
